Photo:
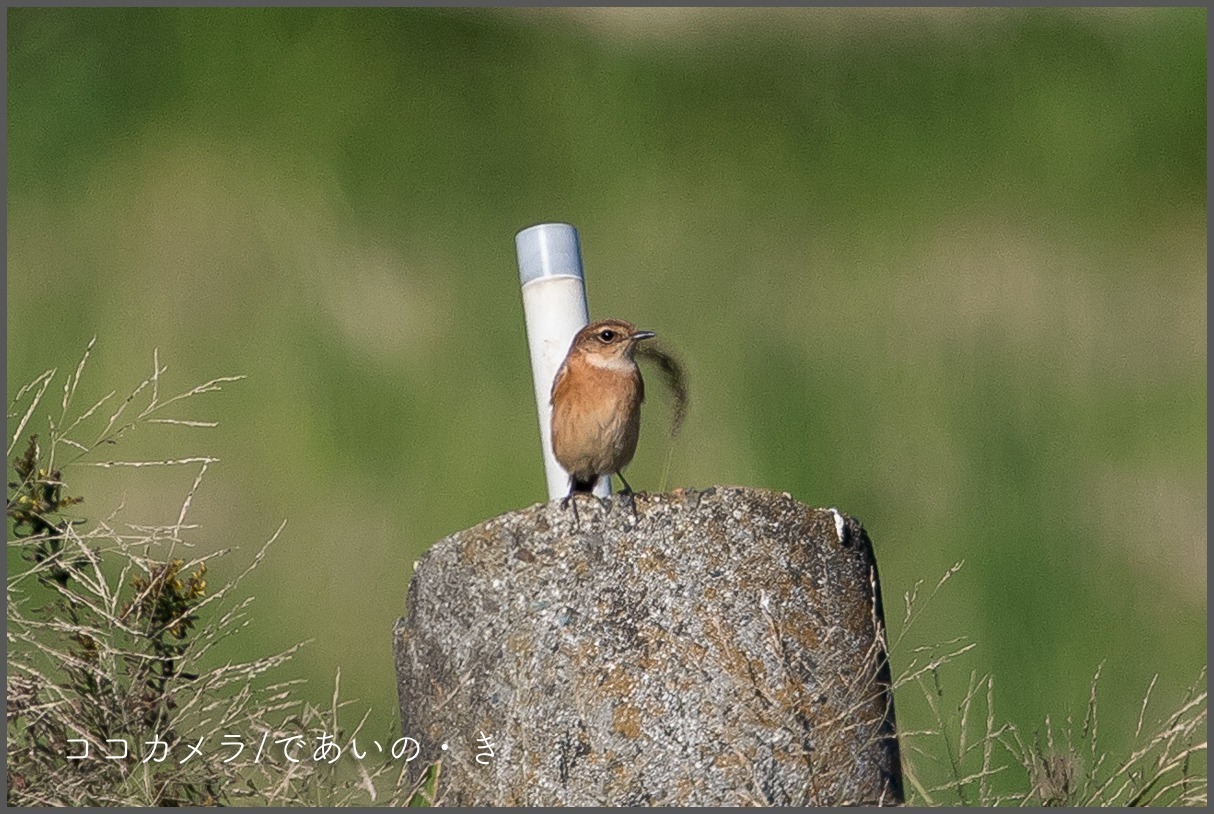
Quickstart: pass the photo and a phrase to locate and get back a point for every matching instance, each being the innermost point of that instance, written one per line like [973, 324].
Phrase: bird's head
[609, 343]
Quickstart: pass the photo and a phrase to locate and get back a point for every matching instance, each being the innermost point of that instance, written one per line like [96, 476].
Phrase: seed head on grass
[1058, 766]
[111, 631]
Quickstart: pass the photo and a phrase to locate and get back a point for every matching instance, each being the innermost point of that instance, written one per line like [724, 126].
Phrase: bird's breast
[595, 417]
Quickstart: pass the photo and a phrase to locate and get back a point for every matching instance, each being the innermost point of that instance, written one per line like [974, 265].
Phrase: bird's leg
[576, 485]
[569, 500]
[627, 490]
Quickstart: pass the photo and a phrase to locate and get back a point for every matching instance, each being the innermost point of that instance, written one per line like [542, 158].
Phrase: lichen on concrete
[713, 647]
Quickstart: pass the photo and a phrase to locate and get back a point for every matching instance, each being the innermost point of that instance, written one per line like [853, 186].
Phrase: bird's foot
[570, 501]
[631, 498]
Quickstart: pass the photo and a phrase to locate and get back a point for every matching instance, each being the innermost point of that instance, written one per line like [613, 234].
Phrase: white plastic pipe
[554, 307]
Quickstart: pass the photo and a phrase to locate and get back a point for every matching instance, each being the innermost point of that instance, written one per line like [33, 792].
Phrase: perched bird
[596, 404]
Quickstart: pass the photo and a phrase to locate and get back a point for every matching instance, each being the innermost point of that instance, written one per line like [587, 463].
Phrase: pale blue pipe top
[548, 250]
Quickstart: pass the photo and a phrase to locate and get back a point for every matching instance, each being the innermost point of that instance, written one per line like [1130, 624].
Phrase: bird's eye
[607, 335]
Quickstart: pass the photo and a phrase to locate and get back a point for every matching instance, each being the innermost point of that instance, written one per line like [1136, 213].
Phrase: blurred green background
[942, 269]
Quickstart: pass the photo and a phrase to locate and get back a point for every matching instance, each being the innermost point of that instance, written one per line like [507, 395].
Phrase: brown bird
[596, 404]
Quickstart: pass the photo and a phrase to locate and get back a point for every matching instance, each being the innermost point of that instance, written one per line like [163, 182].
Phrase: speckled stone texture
[720, 647]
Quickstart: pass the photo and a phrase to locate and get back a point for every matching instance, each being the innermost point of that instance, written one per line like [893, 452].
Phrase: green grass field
[944, 270]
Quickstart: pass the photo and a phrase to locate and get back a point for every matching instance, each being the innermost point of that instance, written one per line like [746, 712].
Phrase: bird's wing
[556, 381]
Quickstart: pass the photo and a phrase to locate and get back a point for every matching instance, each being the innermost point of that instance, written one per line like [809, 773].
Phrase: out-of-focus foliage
[943, 269]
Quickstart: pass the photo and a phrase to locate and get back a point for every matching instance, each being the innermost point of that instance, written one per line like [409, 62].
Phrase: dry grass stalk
[111, 633]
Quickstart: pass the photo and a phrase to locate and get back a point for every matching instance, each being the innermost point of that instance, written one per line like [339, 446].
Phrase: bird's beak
[639, 335]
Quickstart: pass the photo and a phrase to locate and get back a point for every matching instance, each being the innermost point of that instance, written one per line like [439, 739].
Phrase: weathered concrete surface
[723, 647]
